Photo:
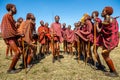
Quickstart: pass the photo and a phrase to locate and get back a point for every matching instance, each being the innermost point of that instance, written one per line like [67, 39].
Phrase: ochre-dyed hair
[9, 6]
[109, 10]
[96, 13]
[41, 21]
[18, 20]
[82, 20]
[57, 16]
[28, 16]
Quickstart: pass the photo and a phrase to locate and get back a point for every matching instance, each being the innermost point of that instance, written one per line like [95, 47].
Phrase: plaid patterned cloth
[8, 28]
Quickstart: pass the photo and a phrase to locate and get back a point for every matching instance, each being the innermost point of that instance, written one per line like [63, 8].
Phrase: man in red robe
[77, 41]
[64, 37]
[41, 32]
[47, 31]
[109, 35]
[26, 29]
[97, 37]
[56, 36]
[70, 39]
[47, 37]
[42, 38]
[9, 34]
[87, 27]
[17, 24]
[85, 33]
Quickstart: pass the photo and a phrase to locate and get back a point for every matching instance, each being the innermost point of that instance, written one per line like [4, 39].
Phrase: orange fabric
[48, 33]
[57, 31]
[48, 36]
[47, 30]
[41, 29]
[41, 32]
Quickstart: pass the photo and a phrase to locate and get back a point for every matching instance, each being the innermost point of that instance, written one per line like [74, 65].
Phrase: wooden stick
[94, 47]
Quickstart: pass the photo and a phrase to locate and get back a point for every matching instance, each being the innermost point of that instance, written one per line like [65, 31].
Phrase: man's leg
[58, 51]
[53, 51]
[11, 54]
[29, 58]
[7, 50]
[109, 62]
[15, 57]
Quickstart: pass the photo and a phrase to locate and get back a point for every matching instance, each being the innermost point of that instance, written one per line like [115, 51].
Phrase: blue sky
[70, 11]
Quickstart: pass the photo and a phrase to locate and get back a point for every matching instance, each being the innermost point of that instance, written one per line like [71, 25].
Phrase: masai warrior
[85, 34]
[97, 37]
[109, 38]
[56, 36]
[47, 35]
[26, 30]
[64, 37]
[70, 39]
[17, 24]
[9, 34]
[43, 35]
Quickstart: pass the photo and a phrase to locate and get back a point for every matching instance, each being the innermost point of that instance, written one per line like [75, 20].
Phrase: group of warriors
[22, 38]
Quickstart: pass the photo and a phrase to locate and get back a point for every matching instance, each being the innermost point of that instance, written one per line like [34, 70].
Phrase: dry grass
[68, 69]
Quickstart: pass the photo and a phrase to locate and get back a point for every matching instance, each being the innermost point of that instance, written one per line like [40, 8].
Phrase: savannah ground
[68, 69]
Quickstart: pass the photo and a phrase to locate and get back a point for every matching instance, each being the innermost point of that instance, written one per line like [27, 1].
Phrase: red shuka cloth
[57, 31]
[98, 35]
[63, 33]
[85, 33]
[8, 28]
[110, 35]
[42, 30]
[70, 36]
[48, 33]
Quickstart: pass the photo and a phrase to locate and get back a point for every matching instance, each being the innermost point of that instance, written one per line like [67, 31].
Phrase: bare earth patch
[68, 69]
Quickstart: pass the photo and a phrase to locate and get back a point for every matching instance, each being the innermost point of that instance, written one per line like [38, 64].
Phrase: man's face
[57, 19]
[42, 23]
[93, 15]
[46, 24]
[13, 9]
[69, 27]
[64, 25]
[79, 23]
[20, 21]
[32, 18]
[103, 13]
[75, 24]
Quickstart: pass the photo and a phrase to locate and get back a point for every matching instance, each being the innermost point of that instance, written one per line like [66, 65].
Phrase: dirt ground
[67, 69]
